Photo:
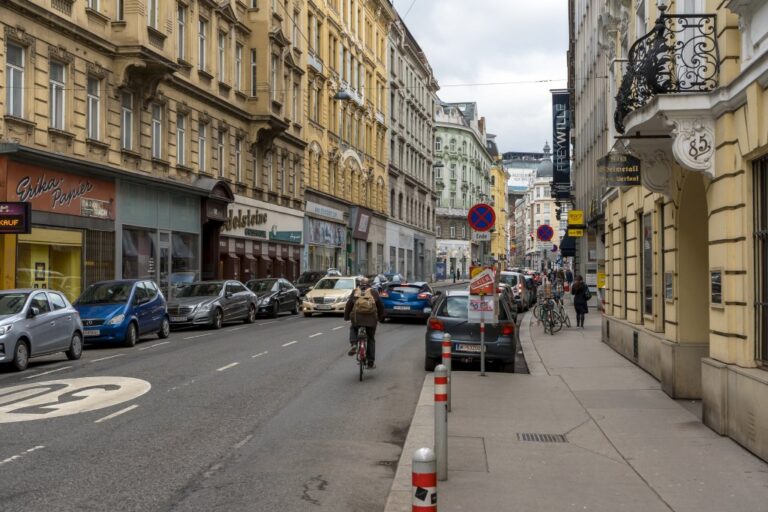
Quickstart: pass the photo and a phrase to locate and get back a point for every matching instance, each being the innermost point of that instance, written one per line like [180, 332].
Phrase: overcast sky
[481, 41]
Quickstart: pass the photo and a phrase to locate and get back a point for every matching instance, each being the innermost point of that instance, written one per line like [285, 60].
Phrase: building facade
[499, 179]
[410, 248]
[346, 107]
[520, 167]
[540, 210]
[462, 179]
[686, 252]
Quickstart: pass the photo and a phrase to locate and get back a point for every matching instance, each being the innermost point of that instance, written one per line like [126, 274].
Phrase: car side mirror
[33, 312]
[228, 295]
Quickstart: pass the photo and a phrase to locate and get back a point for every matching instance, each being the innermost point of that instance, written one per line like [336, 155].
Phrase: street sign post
[481, 217]
[481, 304]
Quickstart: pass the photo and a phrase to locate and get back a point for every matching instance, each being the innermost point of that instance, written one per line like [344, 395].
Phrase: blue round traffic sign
[481, 217]
[545, 233]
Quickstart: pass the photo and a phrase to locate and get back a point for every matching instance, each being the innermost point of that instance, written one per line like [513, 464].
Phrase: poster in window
[669, 291]
[39, 271]
[716, 286]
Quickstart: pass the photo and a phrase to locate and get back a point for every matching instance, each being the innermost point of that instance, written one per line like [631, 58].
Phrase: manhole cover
[541, 438]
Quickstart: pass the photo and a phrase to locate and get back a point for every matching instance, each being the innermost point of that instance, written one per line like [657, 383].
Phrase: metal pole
[482, 343]
[423, 481]
[441, 421]
[447, 363]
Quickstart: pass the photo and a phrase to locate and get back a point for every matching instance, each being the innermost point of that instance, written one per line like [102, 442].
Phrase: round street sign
[545, 233]
[554, 248]
[481, 217]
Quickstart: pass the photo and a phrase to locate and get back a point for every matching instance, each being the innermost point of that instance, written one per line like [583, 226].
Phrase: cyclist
[365, 309]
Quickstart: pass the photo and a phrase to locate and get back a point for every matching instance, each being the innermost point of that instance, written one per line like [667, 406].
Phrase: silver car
[35, 323]
[212, 303]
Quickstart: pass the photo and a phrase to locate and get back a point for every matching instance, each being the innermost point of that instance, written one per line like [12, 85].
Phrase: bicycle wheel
[566, 319]
[537, 311]
[361, 346]
[547, 320]
[557, 322]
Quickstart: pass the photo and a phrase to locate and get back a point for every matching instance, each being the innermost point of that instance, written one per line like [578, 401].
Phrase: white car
[329, 295]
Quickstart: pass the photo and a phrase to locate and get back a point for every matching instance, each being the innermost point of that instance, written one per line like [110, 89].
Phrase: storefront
[261, 240]
[72, 243]
[325, 233]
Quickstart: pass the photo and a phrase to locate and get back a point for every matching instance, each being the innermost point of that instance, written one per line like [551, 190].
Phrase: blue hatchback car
[121, 311]
[407, 300]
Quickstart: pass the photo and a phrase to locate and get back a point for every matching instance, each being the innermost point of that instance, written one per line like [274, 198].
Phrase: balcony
[315, 62]
[680, 55]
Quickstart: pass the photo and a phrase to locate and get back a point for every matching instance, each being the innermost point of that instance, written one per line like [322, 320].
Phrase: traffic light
[558, 211]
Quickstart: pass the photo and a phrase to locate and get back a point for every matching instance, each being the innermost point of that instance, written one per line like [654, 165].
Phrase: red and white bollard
[447, 363]
[424, 481]
[441, 421]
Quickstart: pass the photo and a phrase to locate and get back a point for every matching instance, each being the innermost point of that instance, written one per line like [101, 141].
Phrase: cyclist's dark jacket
[369, 320]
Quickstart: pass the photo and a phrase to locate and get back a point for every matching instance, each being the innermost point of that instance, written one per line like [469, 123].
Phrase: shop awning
[249, 256]
[568, 246]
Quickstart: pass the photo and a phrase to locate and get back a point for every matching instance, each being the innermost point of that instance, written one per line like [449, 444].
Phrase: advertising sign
[601, 279]
[576, 233]
[483, 283]
[481, 309]
[561, 144]
[619, 169]
[252, 219]
[576, 217]
[15, 218]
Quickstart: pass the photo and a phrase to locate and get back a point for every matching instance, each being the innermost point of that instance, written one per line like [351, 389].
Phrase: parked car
[307, 280]
[329, 295]
[36, 323]
[273, 296]
[516, 282]
[212, 303]
[449, 315]
[412, 300]
[122, 311]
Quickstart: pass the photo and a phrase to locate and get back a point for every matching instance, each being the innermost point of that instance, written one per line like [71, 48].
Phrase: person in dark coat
[369, 321]
[579, 292]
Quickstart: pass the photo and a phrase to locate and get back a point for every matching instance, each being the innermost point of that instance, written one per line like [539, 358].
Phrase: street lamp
[342, 95]
[662, 5]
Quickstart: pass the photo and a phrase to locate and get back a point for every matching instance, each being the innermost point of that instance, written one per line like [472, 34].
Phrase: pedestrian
[453, 275]
[569, 276]
[581, 296]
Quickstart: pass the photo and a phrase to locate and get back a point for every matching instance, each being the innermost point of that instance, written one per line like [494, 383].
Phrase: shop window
[99, 256]
[139, 253]
[184, 261]
[761, 257]
[52, 259]
[647, 264]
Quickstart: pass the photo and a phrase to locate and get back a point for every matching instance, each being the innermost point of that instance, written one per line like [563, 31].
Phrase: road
[258, 417]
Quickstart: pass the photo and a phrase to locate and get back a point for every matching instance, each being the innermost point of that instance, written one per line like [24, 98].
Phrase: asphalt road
[258, 417]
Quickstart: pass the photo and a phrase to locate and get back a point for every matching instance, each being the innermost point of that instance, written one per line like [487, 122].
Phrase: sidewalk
[448, 282]
[627, 446]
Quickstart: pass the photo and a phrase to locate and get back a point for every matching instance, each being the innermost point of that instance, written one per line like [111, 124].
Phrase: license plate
[91, 332]
[460, 347]
[403, 308]
[178, 319]
[323, 306]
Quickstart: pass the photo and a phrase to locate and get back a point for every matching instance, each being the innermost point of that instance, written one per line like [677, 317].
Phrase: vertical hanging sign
[561, 144]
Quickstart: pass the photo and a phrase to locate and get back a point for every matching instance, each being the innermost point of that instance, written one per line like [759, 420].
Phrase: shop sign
[15, 218]
[576, 217]
[293, 237]
[576, 233]
[324, 211]
[249, 218]
[619, 169]
[561, 144]
[322, 232]
[361, 223]
[58, 192]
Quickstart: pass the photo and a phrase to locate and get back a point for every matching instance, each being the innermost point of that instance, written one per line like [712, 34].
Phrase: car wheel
[218, 319]
[75, 347]
[21, 356]
[295, 310]
[251, 314]
[307, 315]
[275, 310]
[165, 329]
[131, 335]
[430, 364]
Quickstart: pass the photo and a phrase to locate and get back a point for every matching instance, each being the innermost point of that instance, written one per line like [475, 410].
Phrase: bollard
[441, 422]
[424, 481]
[447, 363]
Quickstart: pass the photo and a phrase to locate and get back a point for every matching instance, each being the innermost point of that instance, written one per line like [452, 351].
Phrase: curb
[535, 366]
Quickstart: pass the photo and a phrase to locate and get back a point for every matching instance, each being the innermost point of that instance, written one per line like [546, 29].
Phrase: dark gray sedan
[212, 303]
[449, 315]
[275, 296]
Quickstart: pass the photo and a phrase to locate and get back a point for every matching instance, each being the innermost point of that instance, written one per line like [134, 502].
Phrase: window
[238, 159]
[647, 264]
[14, 80]
[453, 231]
[40, 302]
[202, 34]
[273, 79]
[220, 151]
[157, 131]
[438, 230]
[126, 136]
[295, 34]
[57, 83]
[253, 72]
[238, 66]
[270, 174]
[152, 8]
[222, 56]
[57, 301]
[761, 256]
[453, 145]
[202, 140]
[283, 176]
[92, 114]
[463, 231]
[295, 107]
[438, 144]
[120, 10]
[182, 32]
[181, 139]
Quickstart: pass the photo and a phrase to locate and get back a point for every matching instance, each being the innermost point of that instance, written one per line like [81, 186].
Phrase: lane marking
[174, 388]
[155, 345]
[22, 454]
[108, 357]
[259, 354]
[116, 414]
[242, 443]
[47, 373]
[267, 323]
[231, 365]
[198, 336]
[339, 327]
[233, 329]
[290, 343]
[316, 334]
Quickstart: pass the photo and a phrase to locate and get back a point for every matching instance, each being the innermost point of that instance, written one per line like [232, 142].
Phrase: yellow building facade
[346, 106]
[687, 252]
[499, 201]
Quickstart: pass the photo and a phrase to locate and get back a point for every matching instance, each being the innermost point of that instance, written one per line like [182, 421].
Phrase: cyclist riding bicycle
[364, 309]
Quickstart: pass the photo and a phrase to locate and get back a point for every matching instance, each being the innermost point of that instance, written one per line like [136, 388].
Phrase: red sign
[481, 217]
[483, 283]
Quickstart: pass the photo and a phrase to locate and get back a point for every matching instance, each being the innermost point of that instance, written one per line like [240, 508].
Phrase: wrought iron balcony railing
[679, 55]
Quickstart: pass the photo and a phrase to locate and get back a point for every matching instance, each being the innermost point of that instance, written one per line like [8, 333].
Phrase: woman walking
[581, 295]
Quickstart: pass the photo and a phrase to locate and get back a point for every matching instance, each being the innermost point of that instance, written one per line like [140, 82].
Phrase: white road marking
[231, 365]
[20, 455]
[118, 413]
[315, 335]
[290, 343]
[339, 327]
[155, 345]
[108, 357]
[48, 372]
[233, 329]
[198, 336]
[267, 323]
[260, 354]
[242, 443]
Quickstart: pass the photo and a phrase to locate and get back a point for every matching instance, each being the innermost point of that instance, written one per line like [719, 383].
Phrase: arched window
[464, 148]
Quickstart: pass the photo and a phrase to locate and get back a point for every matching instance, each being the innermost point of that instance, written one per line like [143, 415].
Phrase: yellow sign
[576, 217]
[576, 233]
[601, 279]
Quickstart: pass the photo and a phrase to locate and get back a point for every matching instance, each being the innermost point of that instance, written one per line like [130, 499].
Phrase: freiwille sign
[561, 144]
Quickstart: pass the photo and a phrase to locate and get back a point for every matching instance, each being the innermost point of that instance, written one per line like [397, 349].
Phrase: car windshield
[200, 290]
[106, 293]
[308, 278]
[261, 286]
[335, 284]
[510, 279]
[405, 289]
[12, 303]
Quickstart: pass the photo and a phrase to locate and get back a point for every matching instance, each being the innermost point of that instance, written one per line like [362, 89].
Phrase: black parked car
[275, 296]
[307, 280]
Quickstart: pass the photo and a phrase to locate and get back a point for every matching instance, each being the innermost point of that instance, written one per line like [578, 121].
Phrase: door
[164, 265]
[231, 302]
[241, 295]
[155, 306]
[64, 318]
[42, 328]
[141, 308]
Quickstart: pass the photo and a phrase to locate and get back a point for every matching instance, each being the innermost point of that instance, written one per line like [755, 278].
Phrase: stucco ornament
[656, 171]
[693, 143]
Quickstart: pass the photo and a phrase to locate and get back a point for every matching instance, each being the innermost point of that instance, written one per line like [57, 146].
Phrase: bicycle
[563, 312]
[550, 317]
[362, 349]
